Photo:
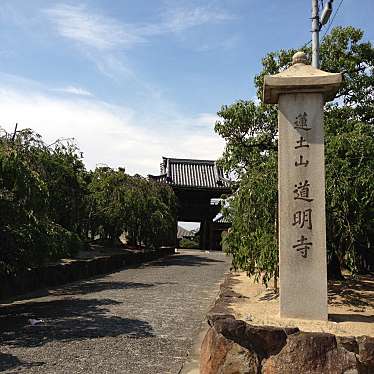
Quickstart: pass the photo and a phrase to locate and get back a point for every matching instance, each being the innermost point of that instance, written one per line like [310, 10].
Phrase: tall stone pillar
[300, 92]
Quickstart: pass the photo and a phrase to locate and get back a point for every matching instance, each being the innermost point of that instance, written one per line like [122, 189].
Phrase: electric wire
[306, 44]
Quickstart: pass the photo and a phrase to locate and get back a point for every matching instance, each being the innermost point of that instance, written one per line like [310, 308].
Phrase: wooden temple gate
[196, 183]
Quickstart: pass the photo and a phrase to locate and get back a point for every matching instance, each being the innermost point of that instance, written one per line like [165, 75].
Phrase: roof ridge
[189, 160]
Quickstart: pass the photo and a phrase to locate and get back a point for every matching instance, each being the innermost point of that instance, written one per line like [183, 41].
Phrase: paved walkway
[139, 320]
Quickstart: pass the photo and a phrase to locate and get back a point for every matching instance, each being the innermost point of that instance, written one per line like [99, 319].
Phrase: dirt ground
[351, 306]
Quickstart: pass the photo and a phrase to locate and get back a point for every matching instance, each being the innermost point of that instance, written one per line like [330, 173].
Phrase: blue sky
[133, 81]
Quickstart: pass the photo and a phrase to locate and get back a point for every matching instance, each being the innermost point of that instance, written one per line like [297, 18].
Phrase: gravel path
[139, 320]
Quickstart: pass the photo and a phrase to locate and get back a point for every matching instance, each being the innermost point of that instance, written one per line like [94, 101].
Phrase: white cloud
[112, 66]
[179, 19]
[207, 119]
[102, 38]
[91, 29]
[73, 90]
[103, 32]
[105, 133]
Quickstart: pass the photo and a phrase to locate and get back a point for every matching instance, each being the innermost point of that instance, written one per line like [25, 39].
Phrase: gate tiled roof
[192, 173]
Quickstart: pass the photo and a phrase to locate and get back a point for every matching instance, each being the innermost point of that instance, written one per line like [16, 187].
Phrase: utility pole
[317, 23]
[315, 34]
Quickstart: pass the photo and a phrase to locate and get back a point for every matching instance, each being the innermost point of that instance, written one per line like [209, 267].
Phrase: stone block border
[58, 274]
[234, 346]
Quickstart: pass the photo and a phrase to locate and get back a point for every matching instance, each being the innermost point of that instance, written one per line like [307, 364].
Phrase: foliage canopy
[50, 205]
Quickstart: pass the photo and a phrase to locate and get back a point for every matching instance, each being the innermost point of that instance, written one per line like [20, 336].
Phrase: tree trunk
[334, 271]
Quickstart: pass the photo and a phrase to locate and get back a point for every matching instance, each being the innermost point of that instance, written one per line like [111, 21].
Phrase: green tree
[64, 173]
[119, 203]
[250, 131]
[49, 203]
[107, 203]
[28, 235]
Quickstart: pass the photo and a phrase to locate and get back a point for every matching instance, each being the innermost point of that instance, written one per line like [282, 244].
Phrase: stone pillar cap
[299, 58]
[299, 78]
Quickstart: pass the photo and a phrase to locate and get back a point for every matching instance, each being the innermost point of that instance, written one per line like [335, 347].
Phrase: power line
[306, 44]
[332, 19]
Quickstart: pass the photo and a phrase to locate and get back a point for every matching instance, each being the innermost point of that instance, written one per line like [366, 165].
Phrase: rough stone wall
[234, 347]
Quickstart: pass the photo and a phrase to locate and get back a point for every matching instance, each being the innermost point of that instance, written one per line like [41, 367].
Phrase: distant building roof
[192, 173]
[221, 219]
[182, 232]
